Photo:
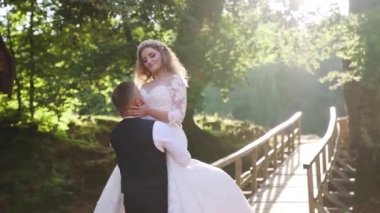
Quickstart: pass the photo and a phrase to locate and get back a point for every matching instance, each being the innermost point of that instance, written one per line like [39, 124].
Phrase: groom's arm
[171, 138]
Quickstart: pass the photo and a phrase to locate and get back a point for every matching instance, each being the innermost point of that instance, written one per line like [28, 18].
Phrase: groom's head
[124, 95]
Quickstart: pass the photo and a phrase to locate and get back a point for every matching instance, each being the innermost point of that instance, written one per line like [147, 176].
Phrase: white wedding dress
[195, 188]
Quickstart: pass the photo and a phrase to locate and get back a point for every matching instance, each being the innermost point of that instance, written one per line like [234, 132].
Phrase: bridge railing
[329, 168]
[253, 162]
[320, 164]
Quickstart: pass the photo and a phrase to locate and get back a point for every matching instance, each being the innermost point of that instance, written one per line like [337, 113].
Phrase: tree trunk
[17, 80]
[185, 46]
[32, 62]
[363, 104]
[363, 109]
[353, 95]
[198, 138]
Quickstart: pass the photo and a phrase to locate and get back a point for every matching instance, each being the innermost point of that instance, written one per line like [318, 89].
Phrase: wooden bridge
[283, 171]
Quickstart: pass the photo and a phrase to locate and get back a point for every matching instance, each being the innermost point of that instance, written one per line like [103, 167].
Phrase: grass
[45, 173]
[31, 171]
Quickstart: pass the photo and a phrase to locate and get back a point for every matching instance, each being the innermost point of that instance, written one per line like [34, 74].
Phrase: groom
[140, 146]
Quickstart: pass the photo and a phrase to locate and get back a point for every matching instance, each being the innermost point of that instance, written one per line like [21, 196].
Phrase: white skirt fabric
[196, 188]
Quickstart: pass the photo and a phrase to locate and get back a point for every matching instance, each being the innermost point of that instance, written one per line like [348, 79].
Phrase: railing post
[238, 171]
[275, 151]
[310, 190]
[292, 136]
[330, 146]
[289, 142]
[324, 164]
[254, 171]
[282, 146]
[266, 160]
[318, 170]
[299, 131]
[335, 136]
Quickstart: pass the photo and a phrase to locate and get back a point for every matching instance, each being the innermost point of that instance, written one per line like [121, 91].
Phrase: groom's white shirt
[171, 138]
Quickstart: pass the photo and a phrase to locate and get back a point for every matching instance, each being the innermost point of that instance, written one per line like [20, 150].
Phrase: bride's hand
[138, 111]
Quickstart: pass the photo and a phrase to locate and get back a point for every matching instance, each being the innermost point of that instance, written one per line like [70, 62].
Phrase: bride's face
[152, 60]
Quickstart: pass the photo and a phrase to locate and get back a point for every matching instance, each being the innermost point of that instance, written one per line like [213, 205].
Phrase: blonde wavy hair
[168, 57]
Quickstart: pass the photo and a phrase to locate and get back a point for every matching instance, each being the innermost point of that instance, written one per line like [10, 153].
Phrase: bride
[196, 188]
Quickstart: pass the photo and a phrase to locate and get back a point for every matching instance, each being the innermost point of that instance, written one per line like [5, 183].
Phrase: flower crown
[149, 43]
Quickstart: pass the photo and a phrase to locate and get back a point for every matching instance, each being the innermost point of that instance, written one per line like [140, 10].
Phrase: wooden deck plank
[281, 208]
[281, 194]
[286, 189]
[292, 181]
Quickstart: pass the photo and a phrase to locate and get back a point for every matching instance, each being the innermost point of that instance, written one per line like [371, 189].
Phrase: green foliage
[338, 36]
[370, 36]
[82, 49]
[271, 93]
[354, 39]
[45, 173]
[240, 132]
[79, 50]
[231, 135]
[31, 173]
[91, 131]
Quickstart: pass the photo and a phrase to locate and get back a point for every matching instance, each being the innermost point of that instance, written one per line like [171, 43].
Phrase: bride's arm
[144, 110]
[179, 100]
[178, 109]
[157, 114]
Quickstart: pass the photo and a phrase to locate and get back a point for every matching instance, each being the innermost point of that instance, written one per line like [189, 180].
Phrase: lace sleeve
[179, 102]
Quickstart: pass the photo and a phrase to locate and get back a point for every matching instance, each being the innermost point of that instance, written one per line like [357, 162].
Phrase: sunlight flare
[311, 9]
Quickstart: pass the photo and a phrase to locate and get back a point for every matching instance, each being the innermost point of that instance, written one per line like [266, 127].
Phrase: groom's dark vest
[143, 169]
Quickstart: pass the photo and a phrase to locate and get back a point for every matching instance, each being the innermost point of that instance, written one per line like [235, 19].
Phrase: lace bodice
[167, 94]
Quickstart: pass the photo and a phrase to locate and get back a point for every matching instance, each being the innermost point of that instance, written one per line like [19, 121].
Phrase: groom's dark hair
[122, 94]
